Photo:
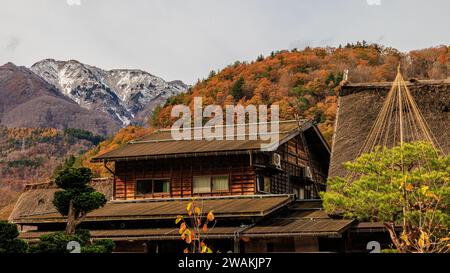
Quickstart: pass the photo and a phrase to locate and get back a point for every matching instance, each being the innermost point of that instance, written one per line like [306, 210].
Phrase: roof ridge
[233, 125]
[411, 81]
[204, 138]
[301, 122]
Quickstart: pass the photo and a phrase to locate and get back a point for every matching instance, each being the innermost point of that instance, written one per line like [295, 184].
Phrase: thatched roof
[37, 199]
[359, 105]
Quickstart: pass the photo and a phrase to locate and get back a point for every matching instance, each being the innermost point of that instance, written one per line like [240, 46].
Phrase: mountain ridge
[29, 101]
[126, 95]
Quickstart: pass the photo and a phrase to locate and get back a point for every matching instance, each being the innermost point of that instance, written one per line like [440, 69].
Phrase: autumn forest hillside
[303, 83]
[31, 155]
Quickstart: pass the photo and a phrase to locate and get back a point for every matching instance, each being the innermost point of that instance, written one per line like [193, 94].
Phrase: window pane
[161, 186]
[260, 180]
[301, 194]
[166, 186]
[144, 186]
[266, 184]
[220, 183]
[202, 184]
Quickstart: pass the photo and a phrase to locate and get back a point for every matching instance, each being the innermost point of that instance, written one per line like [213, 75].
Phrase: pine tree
[77, 198]
[237, 89]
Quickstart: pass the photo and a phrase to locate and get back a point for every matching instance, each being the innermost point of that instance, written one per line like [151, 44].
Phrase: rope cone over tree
[400, 178]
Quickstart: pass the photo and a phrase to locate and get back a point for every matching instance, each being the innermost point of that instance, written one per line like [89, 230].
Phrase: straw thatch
[359, 105]
[37, 199]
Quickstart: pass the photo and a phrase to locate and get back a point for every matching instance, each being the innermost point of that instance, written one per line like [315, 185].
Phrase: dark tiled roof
[290, 218]
[141, 234]
[161, 143]
[301, 218]
[299, 226]
[156, 209]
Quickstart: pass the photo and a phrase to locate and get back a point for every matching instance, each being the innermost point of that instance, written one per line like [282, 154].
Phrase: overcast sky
[185, 39]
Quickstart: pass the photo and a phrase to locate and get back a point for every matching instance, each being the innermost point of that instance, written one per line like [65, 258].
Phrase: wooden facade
[180, 173]
[304, 167]
[302, 171]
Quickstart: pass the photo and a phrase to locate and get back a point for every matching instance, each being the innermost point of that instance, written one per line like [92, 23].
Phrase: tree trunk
[71, 221]
[391, 229]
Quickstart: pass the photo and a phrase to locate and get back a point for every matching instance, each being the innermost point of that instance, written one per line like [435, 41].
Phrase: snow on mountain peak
[125, 94]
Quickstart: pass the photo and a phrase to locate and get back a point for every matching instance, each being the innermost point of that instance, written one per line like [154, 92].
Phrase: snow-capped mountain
[126, 95]
[27, 100]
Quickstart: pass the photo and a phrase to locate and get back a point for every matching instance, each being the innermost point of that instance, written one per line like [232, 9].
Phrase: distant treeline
[73, 134]
[25, 162]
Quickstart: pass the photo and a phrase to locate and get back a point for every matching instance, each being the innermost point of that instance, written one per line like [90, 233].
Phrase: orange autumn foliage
[303, 83]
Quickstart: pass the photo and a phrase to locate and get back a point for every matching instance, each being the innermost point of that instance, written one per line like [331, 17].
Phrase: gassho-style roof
[298, 218]
[162, 144]
[359, 105]
[37, 199]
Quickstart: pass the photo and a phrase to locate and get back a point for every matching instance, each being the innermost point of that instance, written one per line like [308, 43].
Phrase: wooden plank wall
[294, 158]
[180, 172]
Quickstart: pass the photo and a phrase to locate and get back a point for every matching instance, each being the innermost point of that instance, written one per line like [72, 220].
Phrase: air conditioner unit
[276, 160]
[308, 172]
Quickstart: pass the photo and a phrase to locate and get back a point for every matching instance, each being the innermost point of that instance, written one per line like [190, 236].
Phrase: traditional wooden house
[157, 166]
[263, 199]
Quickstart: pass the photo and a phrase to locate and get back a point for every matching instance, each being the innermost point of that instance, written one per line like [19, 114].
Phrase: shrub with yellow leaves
[194, 227]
